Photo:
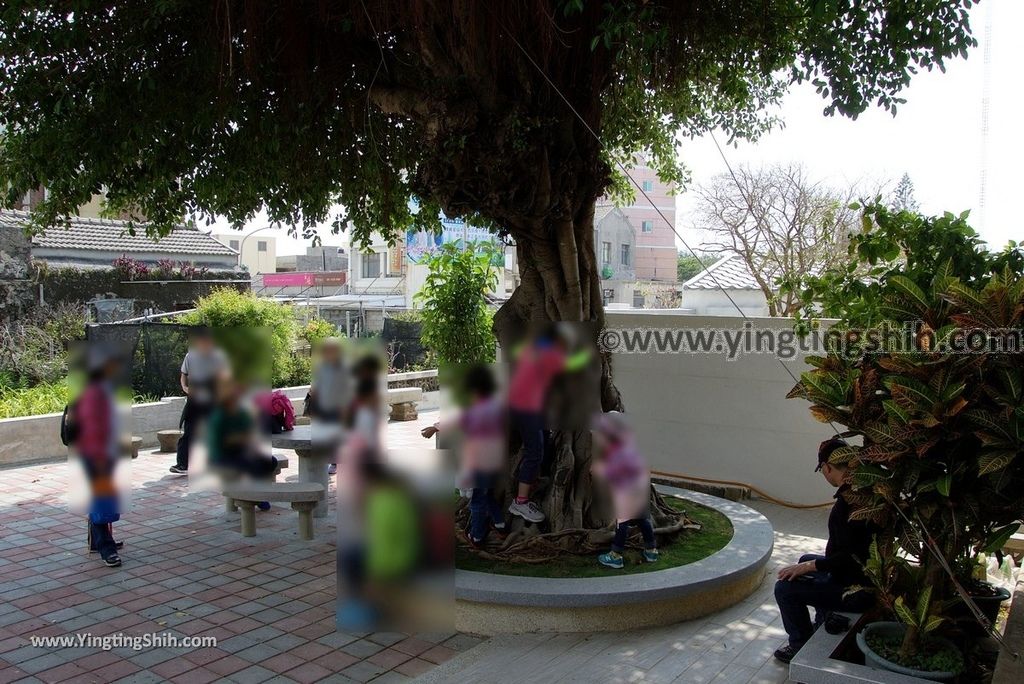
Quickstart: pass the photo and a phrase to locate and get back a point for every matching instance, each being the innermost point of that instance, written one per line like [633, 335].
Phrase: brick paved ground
[268, 600]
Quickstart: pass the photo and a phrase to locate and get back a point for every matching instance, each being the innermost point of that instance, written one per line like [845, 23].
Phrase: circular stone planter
[488, 603]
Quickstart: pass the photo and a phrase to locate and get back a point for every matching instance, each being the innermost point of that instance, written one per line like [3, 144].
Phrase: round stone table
[315, 446]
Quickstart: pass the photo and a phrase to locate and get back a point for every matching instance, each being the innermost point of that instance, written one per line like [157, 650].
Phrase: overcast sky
[936, 137]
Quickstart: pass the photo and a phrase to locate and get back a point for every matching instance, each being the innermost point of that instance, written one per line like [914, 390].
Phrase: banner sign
[420, 244]
[304, 278]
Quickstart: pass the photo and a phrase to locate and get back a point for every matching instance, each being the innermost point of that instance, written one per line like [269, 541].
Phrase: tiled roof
[601, 211]
[728, 273]
[105, 235]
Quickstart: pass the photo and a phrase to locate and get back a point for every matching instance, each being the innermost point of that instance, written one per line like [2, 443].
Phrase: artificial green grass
[690, 546]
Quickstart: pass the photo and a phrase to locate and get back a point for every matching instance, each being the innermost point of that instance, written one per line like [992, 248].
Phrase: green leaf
[911, 291]
[992, 461]
[903, 613]
[944, 483]
[896, 412]
[932, 623]
[923, 602]
[998, 538]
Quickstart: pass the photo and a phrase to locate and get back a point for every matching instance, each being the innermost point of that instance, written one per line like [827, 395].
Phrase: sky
[936, 138]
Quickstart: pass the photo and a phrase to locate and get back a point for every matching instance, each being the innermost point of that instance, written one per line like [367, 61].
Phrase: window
[648, 185]
[638, 299]
[261, 246]
[370, 265]
[625, 255]
[606, 252]
[233, 244]
[647, 226]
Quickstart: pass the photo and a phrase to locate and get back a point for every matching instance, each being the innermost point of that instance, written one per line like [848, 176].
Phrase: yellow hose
[764, 495]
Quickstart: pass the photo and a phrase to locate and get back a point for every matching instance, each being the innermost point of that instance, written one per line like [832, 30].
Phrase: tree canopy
[301, 107]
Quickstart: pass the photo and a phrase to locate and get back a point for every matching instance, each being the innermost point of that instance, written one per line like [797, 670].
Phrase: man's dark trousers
[816, 589]
[192, 418]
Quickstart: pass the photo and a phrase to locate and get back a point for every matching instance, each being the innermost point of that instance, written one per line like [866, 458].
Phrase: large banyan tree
[515, 114]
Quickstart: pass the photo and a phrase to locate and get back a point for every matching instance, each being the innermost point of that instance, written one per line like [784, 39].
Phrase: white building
[258, 252]
[721, 287]
[389, 270]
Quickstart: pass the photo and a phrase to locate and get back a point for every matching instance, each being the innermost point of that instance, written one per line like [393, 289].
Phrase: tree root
[527, 544]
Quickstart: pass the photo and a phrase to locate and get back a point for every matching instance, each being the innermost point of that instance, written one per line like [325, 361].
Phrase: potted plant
[939, 410]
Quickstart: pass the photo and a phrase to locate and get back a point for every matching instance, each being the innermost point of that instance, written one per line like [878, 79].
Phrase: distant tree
[903, 196]
[690, 265]
[780, 222]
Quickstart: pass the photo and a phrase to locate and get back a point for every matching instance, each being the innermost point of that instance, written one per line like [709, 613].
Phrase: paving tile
[389, 658]
[438, 654]
[363, 671]
[227, 665]
[362, 648]
[307, 673]
[414, 667]
[251, 675]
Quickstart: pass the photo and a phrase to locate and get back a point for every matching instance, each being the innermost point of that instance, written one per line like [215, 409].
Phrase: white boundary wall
[705, 416]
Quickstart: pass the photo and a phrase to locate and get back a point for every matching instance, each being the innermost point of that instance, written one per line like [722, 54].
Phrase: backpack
[69, 427]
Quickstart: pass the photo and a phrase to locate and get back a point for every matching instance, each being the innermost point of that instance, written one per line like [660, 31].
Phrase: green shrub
[258, 335]
[941, 428]
[49, 397]
[317, 330]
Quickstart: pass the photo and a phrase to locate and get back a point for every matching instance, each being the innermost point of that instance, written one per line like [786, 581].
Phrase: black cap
[827, 448]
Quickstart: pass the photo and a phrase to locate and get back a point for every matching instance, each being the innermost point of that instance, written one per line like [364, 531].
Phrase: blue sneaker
[355, 615]
[651, 556]
[263, 505]
[611, 560]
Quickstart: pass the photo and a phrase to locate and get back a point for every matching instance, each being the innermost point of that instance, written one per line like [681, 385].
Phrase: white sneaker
[527, 511]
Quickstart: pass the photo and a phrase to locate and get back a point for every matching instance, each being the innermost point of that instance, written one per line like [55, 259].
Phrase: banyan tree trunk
[561, 282]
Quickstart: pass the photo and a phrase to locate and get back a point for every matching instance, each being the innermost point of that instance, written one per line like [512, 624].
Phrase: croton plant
[936, 421]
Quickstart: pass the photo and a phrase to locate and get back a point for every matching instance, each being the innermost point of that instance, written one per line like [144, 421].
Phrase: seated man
[823, 581]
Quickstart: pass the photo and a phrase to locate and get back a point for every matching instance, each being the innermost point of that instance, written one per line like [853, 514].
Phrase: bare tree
[780, 222]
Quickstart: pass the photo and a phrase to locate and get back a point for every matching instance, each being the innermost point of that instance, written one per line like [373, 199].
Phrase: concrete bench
[303, 496]
[402, 401]
[168, 440]
[131, 446]
[233, 476]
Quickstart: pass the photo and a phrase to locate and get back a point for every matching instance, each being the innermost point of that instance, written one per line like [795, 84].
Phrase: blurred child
[98, 443]
[537, 365]
[618, 463]
[231, 435]
[365, 415]
[482, 424]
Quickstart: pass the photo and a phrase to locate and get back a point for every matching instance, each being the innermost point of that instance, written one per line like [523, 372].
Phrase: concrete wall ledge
[35, 439]
[491, 603]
